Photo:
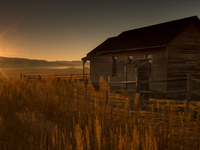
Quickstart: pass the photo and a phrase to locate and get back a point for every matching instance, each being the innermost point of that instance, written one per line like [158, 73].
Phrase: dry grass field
[66, 115]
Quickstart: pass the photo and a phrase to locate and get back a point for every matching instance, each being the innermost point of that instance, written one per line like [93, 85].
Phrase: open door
[131, 75]
[138, 69]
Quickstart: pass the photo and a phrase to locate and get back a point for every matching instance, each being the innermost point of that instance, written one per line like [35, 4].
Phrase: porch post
[188, 98]
[83, 70]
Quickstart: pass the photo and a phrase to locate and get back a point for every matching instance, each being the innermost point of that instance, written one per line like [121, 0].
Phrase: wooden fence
[76, 77]
[188, 90]
[85, 77]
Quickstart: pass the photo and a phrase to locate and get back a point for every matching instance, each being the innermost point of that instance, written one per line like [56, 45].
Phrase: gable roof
[158, 35]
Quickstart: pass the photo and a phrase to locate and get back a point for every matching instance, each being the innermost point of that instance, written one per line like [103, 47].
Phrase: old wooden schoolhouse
[162, 51]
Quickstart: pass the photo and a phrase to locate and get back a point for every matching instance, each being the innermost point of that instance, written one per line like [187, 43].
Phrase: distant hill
[6, 62]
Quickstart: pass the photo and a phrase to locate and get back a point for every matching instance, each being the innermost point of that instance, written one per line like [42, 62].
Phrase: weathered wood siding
[159, 69]
[143, 73]
[102, 66]
[184, 56]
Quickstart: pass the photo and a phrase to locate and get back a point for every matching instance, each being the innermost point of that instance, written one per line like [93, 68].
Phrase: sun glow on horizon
[4, 74]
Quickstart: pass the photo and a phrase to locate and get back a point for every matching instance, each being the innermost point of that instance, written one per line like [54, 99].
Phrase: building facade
[163, 51]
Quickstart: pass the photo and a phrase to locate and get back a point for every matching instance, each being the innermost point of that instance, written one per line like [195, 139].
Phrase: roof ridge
[187, 18]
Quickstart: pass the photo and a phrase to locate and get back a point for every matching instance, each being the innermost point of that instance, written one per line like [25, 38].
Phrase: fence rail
[188, 90]
[79, 77]
[85, 77]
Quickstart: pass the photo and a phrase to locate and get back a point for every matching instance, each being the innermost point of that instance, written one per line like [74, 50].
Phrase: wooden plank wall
[184, 57]
[159, 70]
[131, 76]
[99, 66]
[143, 76]
[102, 65]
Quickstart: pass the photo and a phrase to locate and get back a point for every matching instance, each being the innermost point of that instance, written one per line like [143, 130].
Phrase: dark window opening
[130, 58]
[114, 72]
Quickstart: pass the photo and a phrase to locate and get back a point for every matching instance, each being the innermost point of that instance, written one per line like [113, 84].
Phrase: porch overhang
[84, 59]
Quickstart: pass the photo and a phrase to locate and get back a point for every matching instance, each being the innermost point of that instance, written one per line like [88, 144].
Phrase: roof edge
[84, 59]
[132, 49]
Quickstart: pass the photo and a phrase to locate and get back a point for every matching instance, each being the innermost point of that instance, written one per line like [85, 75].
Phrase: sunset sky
[68, 30]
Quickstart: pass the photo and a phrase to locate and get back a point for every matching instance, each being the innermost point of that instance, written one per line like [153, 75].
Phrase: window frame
[129, 60]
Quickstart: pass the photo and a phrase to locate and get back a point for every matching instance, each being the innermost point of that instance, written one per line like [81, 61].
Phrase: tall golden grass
[65, 115]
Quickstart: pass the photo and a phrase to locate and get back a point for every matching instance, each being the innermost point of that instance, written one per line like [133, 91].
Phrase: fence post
[137, 94]
[188, 98]
[21, 76]
[39, 77]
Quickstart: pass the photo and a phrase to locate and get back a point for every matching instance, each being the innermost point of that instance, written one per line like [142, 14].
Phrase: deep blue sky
[68, 30]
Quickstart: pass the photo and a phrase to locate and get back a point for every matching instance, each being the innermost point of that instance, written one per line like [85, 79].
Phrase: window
[114, 66]
[150, 56]
[129, 58]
